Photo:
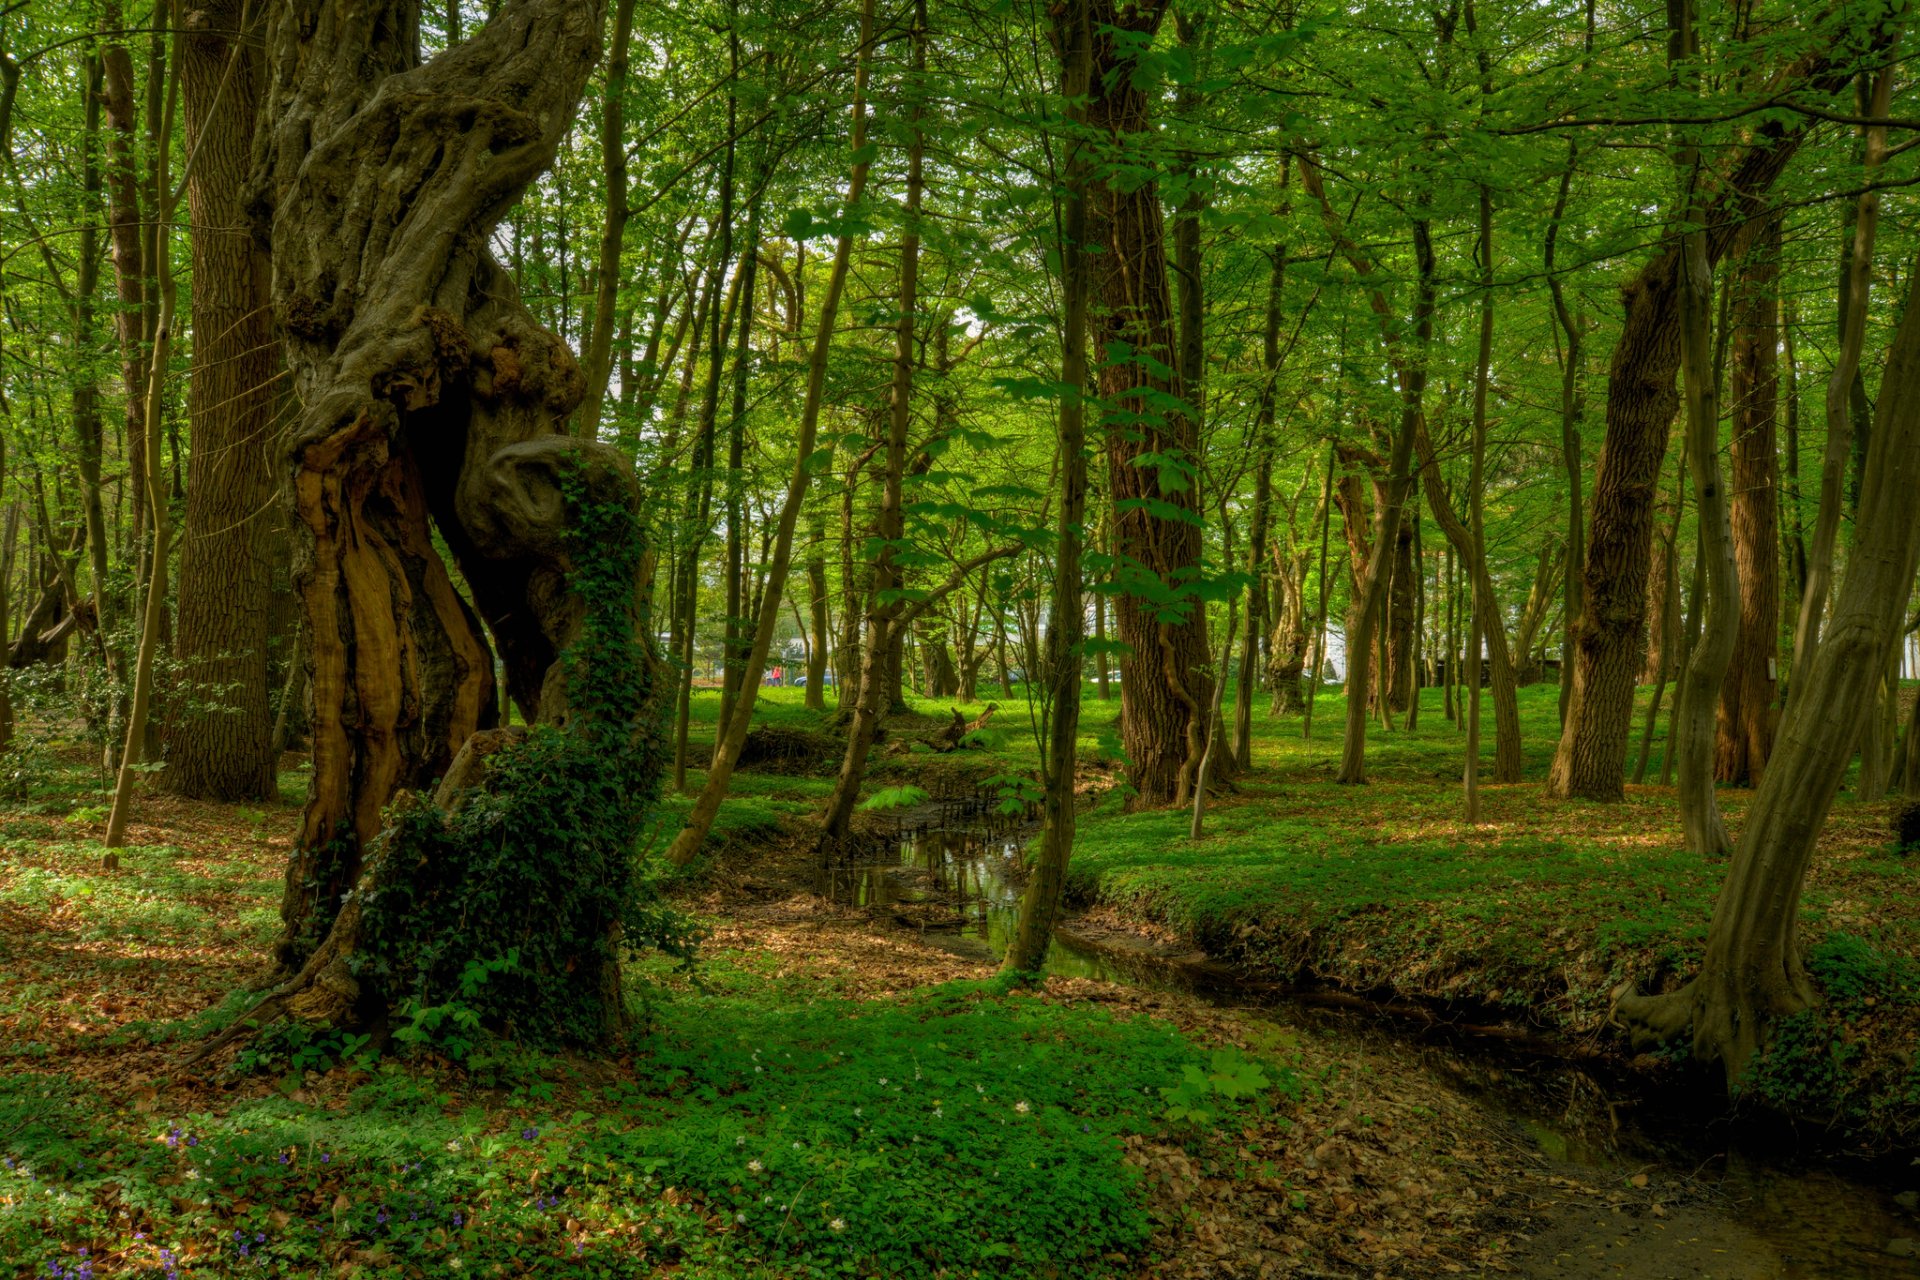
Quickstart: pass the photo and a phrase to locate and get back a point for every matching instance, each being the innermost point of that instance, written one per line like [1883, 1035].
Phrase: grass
[760, 1125]
[1542, 913]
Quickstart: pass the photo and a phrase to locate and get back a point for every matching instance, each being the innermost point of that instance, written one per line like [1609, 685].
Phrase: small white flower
[740, 1141]
[838, 1224]
[937, 1113]
[859, 1111]
[757, 1070]
[739, 1217]
[766, 1199]
[1022, 1107]
[980, 1089]
[796, 1146]
[883, 1079]
[754, 1166]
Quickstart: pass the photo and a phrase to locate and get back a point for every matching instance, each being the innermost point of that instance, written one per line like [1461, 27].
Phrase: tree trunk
[219, 733]
[1707, 663]
[431, 402]
[1480, 598]
[1164, 687]
[1075, 38]
[1744, 735]
[598, 361]
[817, 613]
[1856, 282]
[1752, 974]
[1257, 595]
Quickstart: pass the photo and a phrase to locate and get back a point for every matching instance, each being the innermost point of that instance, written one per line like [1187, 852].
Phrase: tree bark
[1752, 974]
[1164, 687]
[431, 401]
[219, 743]
[1744, 734]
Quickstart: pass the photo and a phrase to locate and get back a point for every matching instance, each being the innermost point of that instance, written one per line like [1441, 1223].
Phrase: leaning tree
[1752, 974]
[431, 402]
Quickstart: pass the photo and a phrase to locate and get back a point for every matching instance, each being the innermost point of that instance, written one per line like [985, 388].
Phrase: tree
[1753, 974]
[433, 402]
[219, 744]
[1150, 427]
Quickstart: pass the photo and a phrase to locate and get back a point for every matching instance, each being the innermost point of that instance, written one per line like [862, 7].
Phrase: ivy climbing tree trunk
[219, 733]
[431, 401]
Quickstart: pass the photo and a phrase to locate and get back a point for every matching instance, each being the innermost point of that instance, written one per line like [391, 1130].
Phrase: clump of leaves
[902, 797]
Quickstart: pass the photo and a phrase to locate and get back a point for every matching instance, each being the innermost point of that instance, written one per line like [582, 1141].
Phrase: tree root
[324, 991]
[1728, 1022]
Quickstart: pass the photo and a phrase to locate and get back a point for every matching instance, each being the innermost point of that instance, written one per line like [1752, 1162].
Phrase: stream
[952, 873]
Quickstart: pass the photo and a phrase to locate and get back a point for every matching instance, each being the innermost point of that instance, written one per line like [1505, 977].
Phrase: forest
[903, 638]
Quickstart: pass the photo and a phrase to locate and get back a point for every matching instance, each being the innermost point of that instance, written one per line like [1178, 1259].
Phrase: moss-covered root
[1728, 1012]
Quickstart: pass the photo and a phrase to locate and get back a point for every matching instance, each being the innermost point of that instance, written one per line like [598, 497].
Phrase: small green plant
[1203, 1093]
[903, 797]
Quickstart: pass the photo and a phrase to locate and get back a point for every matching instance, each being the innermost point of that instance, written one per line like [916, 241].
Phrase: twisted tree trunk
[432, 402]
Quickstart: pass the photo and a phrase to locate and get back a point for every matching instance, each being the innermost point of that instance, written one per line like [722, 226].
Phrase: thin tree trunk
[733, 731]
[884, 655]
[817, 611]
[131, 754]
[1320, 614]
[597, 365]
[1707, 663]
[1264, 444]
[1040, 902]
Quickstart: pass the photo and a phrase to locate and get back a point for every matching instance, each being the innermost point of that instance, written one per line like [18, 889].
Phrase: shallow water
[957, 882]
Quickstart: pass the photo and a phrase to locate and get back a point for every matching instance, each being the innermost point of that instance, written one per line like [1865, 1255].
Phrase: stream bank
[1612, 1175]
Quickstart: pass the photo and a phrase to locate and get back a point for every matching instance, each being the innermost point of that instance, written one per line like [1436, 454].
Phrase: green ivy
[508, 913]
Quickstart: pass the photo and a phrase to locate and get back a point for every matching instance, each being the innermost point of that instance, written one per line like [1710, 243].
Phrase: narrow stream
[953, 875]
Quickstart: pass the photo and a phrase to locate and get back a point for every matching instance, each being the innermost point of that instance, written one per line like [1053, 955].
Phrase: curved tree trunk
[219, 732]
[431, 401]
[1752, 973]
[1500, 674]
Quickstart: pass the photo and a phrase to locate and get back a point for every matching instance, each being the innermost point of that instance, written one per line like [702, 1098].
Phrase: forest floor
[829, 1092]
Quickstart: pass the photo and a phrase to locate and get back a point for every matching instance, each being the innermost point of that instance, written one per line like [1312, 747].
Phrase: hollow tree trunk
[431, 401]
[1744, 730]
[1164, 689]
[223, 751]
[1752, 973]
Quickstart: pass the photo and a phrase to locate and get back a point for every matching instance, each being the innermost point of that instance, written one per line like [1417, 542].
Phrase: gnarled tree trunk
[431, 401]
